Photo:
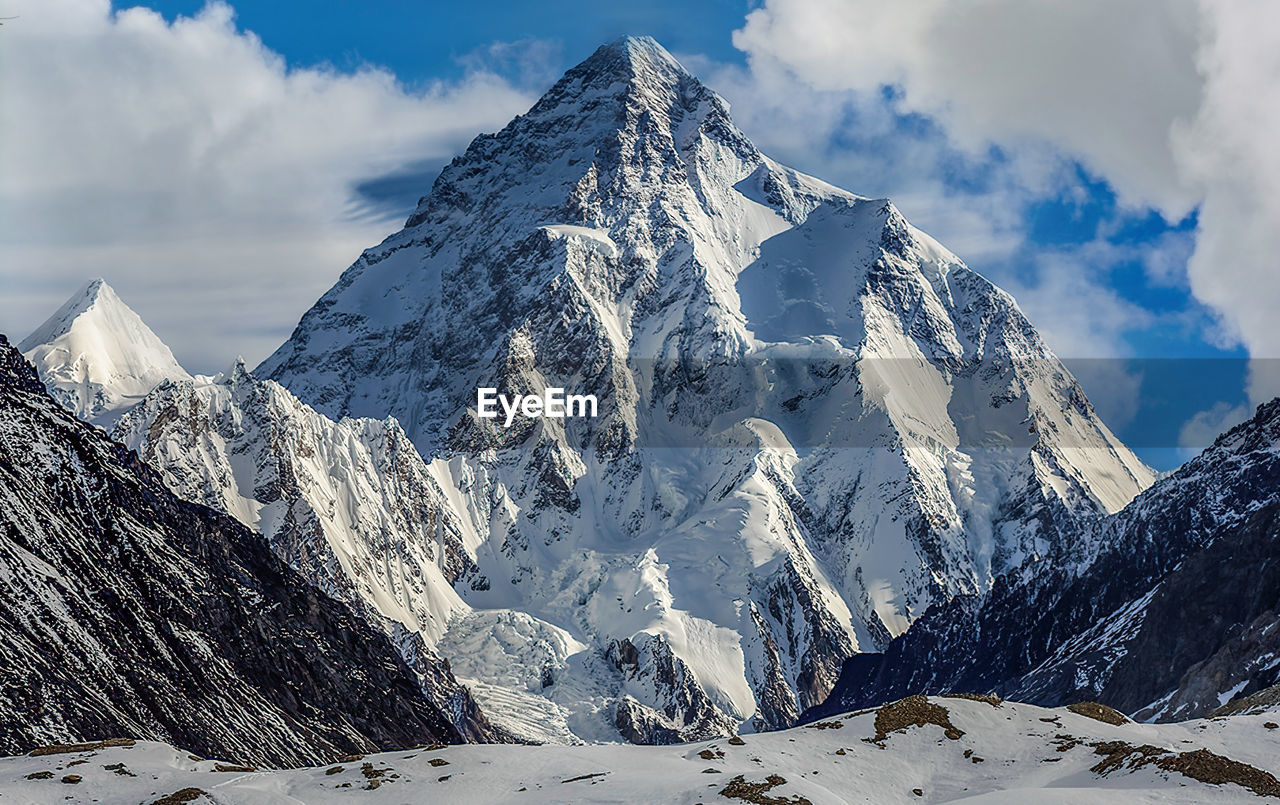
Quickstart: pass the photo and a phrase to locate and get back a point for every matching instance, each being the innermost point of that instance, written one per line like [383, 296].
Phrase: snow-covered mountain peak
[636, 69]
[623, 238]
[614, 123]
[96, 356]
[237, 372]
[633, 56]
[94, 293]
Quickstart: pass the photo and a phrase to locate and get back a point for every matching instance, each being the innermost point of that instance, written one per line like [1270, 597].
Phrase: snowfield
[980, 752]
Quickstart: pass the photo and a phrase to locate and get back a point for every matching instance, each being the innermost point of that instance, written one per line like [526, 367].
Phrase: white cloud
[1174, 103]
[188, 161]
[1094, 76]
[857, 141]
[1067, 297]
[1230, 151]
[1202, 429]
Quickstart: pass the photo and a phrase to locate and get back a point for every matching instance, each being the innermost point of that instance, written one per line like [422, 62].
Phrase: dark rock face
[126, 611]
[684, 708]
[1174, 613]
[1209, 628]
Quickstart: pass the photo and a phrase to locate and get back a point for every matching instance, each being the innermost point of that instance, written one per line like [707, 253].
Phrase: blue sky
[424, 41]
[1090, 192]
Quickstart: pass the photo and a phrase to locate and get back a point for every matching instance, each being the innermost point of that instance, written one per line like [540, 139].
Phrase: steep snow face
[349, 504]
[97, 357]
[814, 421]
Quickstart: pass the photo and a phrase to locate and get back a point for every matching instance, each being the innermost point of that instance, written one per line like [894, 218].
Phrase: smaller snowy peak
[59, 324]
[97, 357]
[235, 373]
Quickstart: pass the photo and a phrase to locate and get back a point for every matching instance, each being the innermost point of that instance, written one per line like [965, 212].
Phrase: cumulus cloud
[861, 142]
[1102, 78]
[186, 161]
[1229, 151]
[1174, 104]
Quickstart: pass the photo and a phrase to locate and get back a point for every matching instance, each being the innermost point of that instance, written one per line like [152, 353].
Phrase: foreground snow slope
[1004, 753]
[96, 356]
[815, 421]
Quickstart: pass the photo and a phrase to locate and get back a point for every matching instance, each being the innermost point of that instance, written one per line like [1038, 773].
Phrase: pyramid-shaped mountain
[814, 420]
[96, 356]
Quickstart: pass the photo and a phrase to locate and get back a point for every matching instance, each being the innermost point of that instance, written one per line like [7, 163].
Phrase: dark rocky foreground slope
[1175, 616]
[125, 611]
